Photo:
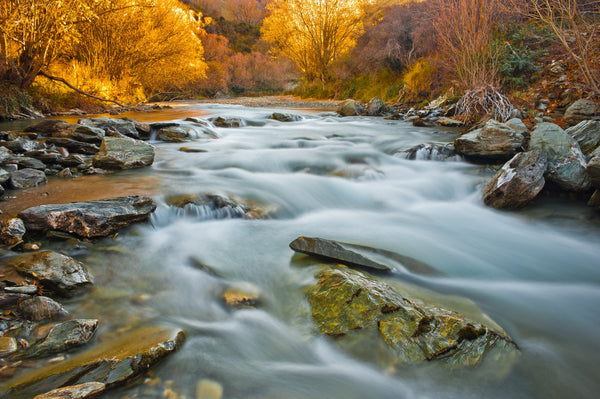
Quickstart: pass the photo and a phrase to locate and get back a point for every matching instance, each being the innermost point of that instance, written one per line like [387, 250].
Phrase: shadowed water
[535, 272]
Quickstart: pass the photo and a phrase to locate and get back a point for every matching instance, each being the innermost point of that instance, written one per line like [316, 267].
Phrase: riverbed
[535, 272]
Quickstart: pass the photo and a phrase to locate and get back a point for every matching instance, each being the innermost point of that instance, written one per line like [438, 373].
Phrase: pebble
[209, 389]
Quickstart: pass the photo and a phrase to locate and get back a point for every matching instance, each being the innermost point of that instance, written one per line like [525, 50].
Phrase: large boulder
[349, 108]
[518, 182]
[26, 178]
[112, 362]
[494, 141]
[593, 168]
[582, 110]
[55, 272]
[89, 219]
[375, 107]
[123, 126]
[566, 162]
[123, 153]
[372, 319]
[88, 134]
[587, 135]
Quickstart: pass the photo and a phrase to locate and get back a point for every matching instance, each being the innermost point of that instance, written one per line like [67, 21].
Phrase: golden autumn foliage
[313, 33]
[108, 47]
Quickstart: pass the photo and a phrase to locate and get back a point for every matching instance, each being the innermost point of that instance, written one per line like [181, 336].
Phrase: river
[535, 272]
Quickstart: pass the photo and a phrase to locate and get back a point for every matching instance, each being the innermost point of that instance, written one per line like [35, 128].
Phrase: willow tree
[313, 33]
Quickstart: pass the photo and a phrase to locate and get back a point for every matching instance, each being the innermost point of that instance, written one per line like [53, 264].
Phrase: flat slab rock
[89, 219]
[81, 391]
[360, 312]
[358, 255]
[112, 362]
[57, 273]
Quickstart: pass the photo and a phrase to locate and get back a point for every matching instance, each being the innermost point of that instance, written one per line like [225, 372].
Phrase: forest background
[65, 54]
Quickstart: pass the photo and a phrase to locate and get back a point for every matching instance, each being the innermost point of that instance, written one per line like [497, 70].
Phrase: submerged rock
[518, 182]
[242, 295]
[358, 255]
[566, 163]
[123, 153]
[111, 363]
[357, 310]
[227, 122]
[89, 219]
[430, 152]
[55, 272]
[81, 391]
[26, 178]
[64, 336]
[494, 141]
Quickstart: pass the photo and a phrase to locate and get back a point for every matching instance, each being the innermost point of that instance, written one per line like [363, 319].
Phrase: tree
[31, 34]
[313, 33]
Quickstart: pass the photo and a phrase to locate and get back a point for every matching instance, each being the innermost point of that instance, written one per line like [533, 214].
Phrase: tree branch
[61, 80]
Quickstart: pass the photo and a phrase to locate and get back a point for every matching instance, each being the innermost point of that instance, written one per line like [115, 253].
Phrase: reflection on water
[532, 272]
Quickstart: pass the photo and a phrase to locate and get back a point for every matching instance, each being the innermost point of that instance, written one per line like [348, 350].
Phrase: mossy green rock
[110, 363]
[354, 308]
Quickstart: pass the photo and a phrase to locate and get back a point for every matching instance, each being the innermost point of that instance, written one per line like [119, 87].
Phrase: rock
[81, 391]
[582, 110]
[358, 255]
[12, 232]
[587, 135]
[22, 144]
[4, 176]
[8, 346]
[28, 177]
[227, 122]
[88, 134]
[57, 273]
[494, 141]
[120, 125]
[349, 108]
[51, 128]
[5, 155]
[143, 129]
[518, 182]
[242, 295]
[593, 168]
[566, 163]
[594, 201]
[421, 122]
[29, 163]
[356, 310]
[182, 132]
[89, 219]
[281, 117]
[430, 152]
[40, 308]
[46, 156]
[63, 337]
[192, 150]
[209, 389]
[375, 107]
[518, 126]
[112, 362]
[23, 289]
[123, 153]
[447, 122]
[78, 147]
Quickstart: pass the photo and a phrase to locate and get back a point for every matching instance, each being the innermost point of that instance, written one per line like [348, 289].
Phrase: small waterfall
[431, 152]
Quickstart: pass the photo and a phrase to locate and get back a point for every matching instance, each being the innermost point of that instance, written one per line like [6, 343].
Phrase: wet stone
[81, 391]
[111, 363]
[123, 153]
[242, 295]
[64, 336]
[8, 346]
[282, 117]
[26, 178]
[40, 308]
[78, 147]
[57, 273]
[89, 219]
[12, 232]
[4, 176]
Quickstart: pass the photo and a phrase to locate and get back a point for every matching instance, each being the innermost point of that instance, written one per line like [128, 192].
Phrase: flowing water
[535, 272]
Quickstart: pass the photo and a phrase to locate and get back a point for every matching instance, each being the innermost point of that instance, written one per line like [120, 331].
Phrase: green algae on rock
[350, 306]
[111, 362]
